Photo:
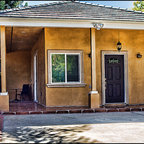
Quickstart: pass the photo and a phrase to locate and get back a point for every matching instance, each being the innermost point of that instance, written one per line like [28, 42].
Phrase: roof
[74, 10]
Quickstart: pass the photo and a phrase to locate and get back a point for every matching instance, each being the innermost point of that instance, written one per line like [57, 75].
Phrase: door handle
[105, 83]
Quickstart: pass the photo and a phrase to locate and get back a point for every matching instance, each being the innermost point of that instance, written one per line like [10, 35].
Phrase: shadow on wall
[55, 134]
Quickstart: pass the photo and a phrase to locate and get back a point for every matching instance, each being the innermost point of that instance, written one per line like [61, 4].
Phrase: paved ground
[86, 128]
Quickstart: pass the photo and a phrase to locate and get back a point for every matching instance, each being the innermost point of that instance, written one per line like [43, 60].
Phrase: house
[72, 54]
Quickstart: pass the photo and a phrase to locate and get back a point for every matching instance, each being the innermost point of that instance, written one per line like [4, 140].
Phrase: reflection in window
[58, 68]
[72, 68]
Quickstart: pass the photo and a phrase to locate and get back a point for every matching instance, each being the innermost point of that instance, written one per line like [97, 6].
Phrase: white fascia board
[44, 22]
[124, 25]
[38, 22]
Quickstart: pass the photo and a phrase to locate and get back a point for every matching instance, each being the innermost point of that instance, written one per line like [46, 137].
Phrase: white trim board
[35, 76]
[66, 52]
[73, 23]
[125, 54]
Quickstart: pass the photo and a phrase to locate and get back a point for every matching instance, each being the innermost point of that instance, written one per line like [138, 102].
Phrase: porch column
[3, 59]
[94, 95]
[4, 98]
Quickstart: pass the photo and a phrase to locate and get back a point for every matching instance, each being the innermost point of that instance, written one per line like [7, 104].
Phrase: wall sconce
[89, 55]
[139, 55]
[119, 46]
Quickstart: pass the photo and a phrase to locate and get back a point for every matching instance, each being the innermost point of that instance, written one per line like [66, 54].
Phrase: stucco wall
[68, 39]
[20, 64]
[132, 42]
[18, 69]
[106, 39]
[39, 49]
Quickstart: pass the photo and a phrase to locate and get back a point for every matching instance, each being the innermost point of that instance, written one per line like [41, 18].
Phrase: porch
[18, 50]
[23, 108]
[24, 61]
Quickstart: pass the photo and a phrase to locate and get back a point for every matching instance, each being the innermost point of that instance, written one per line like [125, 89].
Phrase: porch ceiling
[21, 38]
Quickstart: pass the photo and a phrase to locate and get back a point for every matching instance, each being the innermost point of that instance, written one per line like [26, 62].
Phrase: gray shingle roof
[74, 10]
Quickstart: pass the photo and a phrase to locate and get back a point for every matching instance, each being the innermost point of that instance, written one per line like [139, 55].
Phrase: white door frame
[125, 54]
[35, 77]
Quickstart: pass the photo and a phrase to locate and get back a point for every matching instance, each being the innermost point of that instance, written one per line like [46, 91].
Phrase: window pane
[73, 68]
[58, 68]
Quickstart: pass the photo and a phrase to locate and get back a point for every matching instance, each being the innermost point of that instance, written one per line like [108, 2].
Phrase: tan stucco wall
[39, 49]
[68, 39]
[17, 70]
[132, 42]
[20, 64]
[106, 39]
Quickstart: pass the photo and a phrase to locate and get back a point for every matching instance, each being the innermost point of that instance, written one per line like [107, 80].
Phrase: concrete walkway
[109, 127]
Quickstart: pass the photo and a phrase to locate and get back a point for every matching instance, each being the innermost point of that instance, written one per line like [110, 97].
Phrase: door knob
[105, 83]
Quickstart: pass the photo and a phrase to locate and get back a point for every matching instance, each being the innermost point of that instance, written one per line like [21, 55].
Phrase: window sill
[65, 85]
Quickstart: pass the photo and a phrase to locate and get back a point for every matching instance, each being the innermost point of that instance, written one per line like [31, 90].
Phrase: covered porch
[24, 61]
[20, 54]
[19, 65]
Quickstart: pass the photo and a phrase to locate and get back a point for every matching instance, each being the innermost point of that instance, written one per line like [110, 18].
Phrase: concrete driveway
[112, 127]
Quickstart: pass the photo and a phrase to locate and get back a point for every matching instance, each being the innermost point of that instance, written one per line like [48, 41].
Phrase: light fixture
[139, 55]
[89, 55]
[119, 46]
[98, 26]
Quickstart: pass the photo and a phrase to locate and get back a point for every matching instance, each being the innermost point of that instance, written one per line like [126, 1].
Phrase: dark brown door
[114, 78]
[0, 75]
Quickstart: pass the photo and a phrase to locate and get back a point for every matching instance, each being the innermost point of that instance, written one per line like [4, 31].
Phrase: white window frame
[80, 83]
[65, 54]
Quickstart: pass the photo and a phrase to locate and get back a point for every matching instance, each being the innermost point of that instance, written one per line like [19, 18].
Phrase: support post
[94, 95]
[4, 97]
[3, 59]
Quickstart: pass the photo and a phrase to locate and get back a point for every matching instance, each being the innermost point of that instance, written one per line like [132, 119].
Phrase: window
[65, 67]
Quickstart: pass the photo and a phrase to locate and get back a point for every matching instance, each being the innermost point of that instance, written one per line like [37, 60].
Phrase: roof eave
[75, 23]
[72, 18]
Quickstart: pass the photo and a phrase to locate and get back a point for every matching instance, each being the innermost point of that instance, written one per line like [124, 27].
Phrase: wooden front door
[114, 78]
[0, 75]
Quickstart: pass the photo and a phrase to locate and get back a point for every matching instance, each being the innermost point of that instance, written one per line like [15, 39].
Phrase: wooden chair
[24, 92]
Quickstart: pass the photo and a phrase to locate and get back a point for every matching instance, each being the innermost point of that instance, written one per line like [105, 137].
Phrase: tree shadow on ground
[50, 134]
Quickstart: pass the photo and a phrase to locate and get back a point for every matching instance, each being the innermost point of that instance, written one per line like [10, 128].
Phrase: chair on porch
[25, 93]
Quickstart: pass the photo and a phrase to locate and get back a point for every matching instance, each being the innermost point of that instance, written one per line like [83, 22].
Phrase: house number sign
[113, 61]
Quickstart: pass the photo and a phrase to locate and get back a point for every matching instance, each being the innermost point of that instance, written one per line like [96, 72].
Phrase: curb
[72, 111]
